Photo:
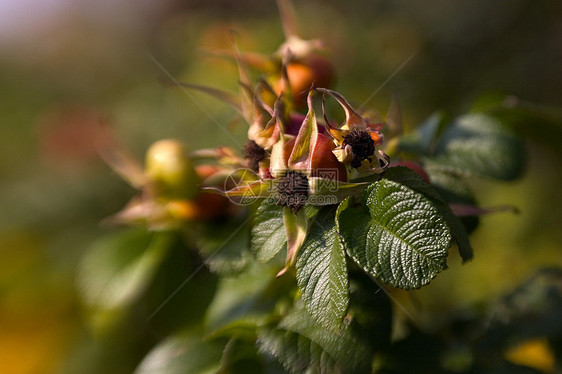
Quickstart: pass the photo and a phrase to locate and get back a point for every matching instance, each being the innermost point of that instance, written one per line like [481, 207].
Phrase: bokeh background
[69, 68]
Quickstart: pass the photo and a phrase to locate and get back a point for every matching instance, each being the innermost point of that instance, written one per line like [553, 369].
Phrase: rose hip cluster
[301, 158]
[293, 156]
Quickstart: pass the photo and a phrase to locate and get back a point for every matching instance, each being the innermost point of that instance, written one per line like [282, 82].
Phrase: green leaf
[460, 236]
[539, 122]
[531, 310]
[118, 268]
[477, 144]
[241, 356]
[301, 345]
[169, 301]
[396, 236]
[322, 271]
[248, 299]
[430, 130]
[371, 311]
[451, 187]
[244, 328]
[225, 246]
[268, 233]
[184, 353]
[423, 140]
[410, 179]
[454, 190]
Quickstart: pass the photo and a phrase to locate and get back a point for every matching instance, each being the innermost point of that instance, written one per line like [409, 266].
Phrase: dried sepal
[296, 226]
[254, 190]
[352, 119]
[122, 162]
[306, 140]
[324, 191]
[267, 125]
[277, 165]
[356, 138]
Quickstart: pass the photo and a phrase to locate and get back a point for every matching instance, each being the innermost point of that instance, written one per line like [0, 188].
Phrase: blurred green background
[67, 65]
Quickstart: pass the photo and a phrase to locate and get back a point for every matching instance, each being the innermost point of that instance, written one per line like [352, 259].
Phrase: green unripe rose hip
[168, 166]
